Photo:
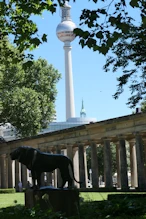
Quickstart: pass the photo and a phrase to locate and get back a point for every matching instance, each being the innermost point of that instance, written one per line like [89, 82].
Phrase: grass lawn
[94, 196]
[7, 200]
[117, 209]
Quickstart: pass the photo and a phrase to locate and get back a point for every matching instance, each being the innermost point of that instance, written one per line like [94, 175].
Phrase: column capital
[92, 140]
[79, 143]
[58, 149]
[106, 139]
[69, 145]
[121, 136]
[3, 155]
[132, 142]
[57, 146]
[137, 133]
[92, 143]
[144, 139]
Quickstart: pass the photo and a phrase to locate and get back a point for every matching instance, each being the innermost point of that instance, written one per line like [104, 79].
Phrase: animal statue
[39, 162]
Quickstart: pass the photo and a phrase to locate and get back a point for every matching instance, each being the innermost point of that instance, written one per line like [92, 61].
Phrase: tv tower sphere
[65, 29]
[65, 33]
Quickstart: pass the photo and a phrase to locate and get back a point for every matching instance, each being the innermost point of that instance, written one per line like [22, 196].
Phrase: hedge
[11, 190]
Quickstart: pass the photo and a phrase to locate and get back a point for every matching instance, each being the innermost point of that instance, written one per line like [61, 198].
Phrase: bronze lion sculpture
[39, 162]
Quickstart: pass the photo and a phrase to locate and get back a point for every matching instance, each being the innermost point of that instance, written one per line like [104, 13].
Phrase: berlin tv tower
[65, 33]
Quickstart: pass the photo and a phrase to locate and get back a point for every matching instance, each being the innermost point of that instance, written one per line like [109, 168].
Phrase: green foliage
[118, 209]
[27, 93]
[143, 105]
[100, 156]
[16, 20]
[21, 212]
[110, 28]
[130, 50]
[115, 209]
[5, 191]
[107, 28]
[100, 160]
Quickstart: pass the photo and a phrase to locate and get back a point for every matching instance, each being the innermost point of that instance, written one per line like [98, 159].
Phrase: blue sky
[91, 83]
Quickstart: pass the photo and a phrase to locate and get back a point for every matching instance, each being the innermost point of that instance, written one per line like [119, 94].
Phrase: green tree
[100, 156]
[111, 30]
[16, 19]
[27, 95]
[108, 28]
[143, 105]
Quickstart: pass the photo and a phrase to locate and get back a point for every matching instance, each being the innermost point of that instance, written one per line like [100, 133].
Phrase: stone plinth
[63, 200]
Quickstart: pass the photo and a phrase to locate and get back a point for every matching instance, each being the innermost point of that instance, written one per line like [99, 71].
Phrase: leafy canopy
[143, 105]
[27, 95]
[16, 20]
[109, 29]
[100, 158]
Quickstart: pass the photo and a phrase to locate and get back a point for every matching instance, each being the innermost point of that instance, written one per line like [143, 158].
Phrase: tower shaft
[65, 33]
[69, 90]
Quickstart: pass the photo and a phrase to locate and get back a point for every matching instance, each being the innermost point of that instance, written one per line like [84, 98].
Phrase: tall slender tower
[65, 33]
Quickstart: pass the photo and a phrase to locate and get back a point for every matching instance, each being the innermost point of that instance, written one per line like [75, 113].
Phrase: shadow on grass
[115, 209]
[122, 208]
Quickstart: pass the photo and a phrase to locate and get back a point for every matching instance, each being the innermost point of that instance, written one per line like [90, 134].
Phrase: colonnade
[11, 172]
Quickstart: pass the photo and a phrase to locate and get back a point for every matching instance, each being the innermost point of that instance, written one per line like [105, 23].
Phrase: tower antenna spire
[83, 112]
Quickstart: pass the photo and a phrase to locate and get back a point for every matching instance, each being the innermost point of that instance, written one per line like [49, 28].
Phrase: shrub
[110, 209]
[22, 212]
[11, 190]
[114, 209]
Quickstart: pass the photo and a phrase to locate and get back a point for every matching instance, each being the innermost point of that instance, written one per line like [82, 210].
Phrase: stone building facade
[73, 141]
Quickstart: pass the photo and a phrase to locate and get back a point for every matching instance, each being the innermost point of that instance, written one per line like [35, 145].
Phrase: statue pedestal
[63, 200]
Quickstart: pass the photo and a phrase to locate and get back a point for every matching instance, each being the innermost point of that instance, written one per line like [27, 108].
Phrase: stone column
[49, 178]
[86, 171]
[123, 163]
[94, 165]
[43, 174]
[70, 152]
[0, 173]
[107, 164]
[43, 179]
[118, 165]
[140, 162]
[54, 173]
[59, 179]
[64, 152]
[70, 155]
[49, 174]
[24, 176]
[144, 141]
[133, 164]
[6, 165]
[4, 171]
[82, 166]
[55, 178]
[10, 173]
[17, 174]
[76, 165]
